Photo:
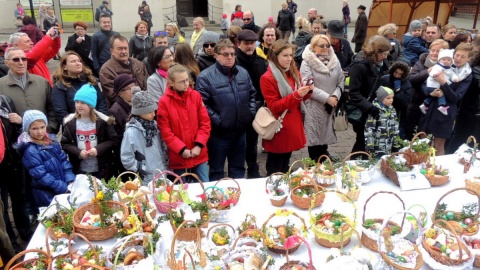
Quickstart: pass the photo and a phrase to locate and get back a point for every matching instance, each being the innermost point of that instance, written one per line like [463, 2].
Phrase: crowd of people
[157, 102]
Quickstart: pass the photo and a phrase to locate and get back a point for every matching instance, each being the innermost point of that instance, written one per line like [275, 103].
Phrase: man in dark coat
[81, 43]
[249, 22]
[285, 21]
[101, 43]
[256, 66]
[341, 46]
[361, 25]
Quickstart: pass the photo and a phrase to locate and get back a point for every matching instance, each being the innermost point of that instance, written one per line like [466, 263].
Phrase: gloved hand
[328, 108]
[374, 112]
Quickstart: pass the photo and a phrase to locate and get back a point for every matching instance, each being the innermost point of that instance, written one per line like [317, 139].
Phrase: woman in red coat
[184, 125]
[282, 90]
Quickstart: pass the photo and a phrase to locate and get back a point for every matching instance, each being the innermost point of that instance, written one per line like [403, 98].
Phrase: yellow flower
[217, 267]
[100, 195]
[283, 212]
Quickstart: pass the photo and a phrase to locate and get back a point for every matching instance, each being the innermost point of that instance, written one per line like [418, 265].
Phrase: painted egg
[468, 221]
[338, 223]
[391, 254]
[444, 217]
[96, 224]
[450, 215]
[401, 259]
[443, 249]
[430, 233]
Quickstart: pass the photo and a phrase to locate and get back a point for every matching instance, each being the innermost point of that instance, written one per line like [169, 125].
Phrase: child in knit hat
[413, 44]
[89, 136]
[444, 64]
[380, 132]
[224, 24]
[142, 149]
[44, 159]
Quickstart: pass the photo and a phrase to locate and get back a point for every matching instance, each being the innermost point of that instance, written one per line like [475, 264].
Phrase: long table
[253, 200]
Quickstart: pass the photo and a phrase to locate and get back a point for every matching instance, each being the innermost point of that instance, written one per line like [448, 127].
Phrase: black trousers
[358, 47]
[278, 162]
[251, 153]
[359, 145]
[314, 152]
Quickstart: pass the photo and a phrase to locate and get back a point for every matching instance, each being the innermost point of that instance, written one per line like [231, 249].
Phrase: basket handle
[198, 241]
[157, 176]
[187, 253]
[309, 251]
[119, 179]
[252, 217]
[328, 159]
[384, 192]
[270, 179]
[451, 191]
[86, 266]
[385, 223]
[72, 237]
[451, 229]
[416, 137]
[244, 233]
[470, 139]
[21, 254]
[339, 193]
[264, 226]
[226, 179]
[424, 222]
[291, 166]
[217, 188]
[179, 179]
[342, 230]
[125, 241]
[355, 153]
[218, 225]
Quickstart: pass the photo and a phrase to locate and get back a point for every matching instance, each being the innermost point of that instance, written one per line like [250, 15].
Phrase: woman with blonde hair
[302, 39]
[321, 64]
[389, 31]
[141, 42]
[284, 94]
[449, 32]
[198, 35]
[173, 34]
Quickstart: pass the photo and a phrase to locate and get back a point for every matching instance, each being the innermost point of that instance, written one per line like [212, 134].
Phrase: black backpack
[97, 15]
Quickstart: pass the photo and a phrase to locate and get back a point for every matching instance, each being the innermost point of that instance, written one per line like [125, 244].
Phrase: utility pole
[31, 10]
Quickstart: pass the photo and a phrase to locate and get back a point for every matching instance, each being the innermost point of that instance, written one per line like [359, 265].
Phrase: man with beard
[121, 63]
[249, 21]
[267, 36]
[430, 34]
[256, 66]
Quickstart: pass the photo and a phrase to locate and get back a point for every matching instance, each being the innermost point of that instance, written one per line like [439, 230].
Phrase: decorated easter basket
[302, 195]
[410, 257]
[232, 192]
[129, 188]
[363, 169]
[464, 222]
[322, 229]
[473, 242]
[390, 172]
[277, 188]
[189, 233]
[97, 233]
[416, 157]
[466, 153]
[132, 249]
[164, 206]
[43, 261]
[303, 175]
[369, 237]
[249, 223]
[274, 231]
[290, 265]
[436, 253]
[435, 174]
[322, 175]
[63, 216]
[220, 237]
[170, 254]
[249, 246]
[219, 203]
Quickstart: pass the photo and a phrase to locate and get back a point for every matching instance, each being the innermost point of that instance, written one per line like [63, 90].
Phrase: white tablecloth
[254, 201]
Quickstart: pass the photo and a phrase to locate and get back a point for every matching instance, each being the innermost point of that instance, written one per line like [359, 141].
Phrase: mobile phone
[309, 81]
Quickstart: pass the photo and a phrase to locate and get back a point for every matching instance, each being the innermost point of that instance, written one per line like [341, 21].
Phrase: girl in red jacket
[184, 124]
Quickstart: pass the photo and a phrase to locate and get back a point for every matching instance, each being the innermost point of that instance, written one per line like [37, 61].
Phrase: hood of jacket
[109, 119]
[314, 62]
[407, 38]
[24, 140]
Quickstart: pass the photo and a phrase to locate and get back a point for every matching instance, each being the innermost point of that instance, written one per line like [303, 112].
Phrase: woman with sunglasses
[206, 57]
[70, 76]
[159, 59]
[321, 64]
[141, 42]
[173, 34]
[282, 89]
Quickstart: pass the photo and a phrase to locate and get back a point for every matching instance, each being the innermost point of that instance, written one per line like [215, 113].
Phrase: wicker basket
[335, 240]
[324, 180]
[437, 180]
[290, 264]
[473, 186]
[415, 157]
[358, 178]
[277, 200]
[250, 221]
[14, 264]
[123, 197]
[280, 249]
[249, 242]
[304, 203]
[366, 240]
[470, 229]
[387, 259]
[464, 161]
[51, 232]
[307, 174]
[170, 254]
[233, 192]
[97, 233]
[221, 249]
[387, 169]
[133, 240]
[183, 233]
[436, 254]
[164, 206]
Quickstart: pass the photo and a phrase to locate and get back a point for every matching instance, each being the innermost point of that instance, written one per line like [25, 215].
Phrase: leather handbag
[340, 122]
[18, 22]
[265, 124]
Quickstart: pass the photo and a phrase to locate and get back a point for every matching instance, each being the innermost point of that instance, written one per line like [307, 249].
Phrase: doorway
[192, 8]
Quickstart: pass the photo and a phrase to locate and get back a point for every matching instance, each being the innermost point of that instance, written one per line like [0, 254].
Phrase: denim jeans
[200, 170]
[232, 148]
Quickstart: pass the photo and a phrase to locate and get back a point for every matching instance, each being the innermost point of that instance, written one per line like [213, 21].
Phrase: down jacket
[107, 140]
[328, 81]
[48, 166]
[184, 123]
[380, 134]
[413, 47]
[229, 96]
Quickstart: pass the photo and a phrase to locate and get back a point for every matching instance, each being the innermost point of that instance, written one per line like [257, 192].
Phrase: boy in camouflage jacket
[380, 132]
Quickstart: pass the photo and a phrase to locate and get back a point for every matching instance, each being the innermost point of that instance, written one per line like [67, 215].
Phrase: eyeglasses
[186, 81]
[167, 56]
[323, 46]
[226, 54]
[247, 19]
[206, 45]
[17, 59]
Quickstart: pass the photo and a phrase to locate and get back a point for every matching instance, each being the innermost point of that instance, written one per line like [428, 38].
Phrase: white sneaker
[423, 108]
[443, 110]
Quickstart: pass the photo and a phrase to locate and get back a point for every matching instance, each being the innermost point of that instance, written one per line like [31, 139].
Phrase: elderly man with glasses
[249, 22]
[229, 97]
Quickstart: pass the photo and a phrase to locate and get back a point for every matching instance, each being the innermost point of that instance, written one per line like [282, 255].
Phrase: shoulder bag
[340, 121]
[265, 123]
[354, 113]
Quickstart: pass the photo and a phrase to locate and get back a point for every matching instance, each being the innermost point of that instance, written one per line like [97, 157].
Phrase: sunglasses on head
[160, 33]
[206, 45]
[17, 59]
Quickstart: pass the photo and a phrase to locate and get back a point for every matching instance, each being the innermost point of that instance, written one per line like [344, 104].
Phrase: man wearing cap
[255, 65]
[267, 36]
[249, 22]
[340, 45]
[104, 9]
[361, 25]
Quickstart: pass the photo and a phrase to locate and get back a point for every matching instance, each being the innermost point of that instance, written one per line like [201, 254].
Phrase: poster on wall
[75, 2]
[36, 3]
[73, 15]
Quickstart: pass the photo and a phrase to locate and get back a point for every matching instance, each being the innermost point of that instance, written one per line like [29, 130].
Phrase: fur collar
[109, 119]
[317, 65]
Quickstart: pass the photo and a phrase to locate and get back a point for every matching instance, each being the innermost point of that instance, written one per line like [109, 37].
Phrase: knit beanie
[87, 94]
[122, 81]
[210, 37]
[415, 25]
[383, 92]
[31, 116]
[445, 53]
[142, 102]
